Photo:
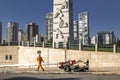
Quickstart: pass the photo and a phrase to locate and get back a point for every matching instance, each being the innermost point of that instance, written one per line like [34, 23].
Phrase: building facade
[0, 33]
[75, 30]
[62, 21]
[12, 32]
[31, 32]
[83, 25]
[21, 37]
[93, 40]
[49, 26]
[103, 38]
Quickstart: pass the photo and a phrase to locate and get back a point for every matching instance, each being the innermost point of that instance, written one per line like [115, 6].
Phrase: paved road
[57, 76]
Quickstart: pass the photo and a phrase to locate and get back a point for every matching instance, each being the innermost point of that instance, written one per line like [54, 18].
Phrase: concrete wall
[6, 52]
[62, 21]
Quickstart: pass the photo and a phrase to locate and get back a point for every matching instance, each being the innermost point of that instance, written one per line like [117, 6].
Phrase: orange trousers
[40, 66]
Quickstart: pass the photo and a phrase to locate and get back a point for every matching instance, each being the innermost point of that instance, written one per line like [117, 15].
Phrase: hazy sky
[104, 15]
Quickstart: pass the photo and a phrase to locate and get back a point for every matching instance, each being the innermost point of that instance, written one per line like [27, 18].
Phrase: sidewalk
[52, 70]
[30, 70]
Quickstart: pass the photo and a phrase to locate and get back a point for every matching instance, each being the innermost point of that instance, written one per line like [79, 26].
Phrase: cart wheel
[67, 69]
[84, 69]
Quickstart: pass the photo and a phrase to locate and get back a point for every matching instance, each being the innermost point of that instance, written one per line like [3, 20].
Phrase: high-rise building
[32, 31]
[83, 25]
[21, 37]
[49, 26]
[62, 22]
[93, 40]
[105, 38]
[38, 37]
[0, 33]
[75, 30]
[12, 32]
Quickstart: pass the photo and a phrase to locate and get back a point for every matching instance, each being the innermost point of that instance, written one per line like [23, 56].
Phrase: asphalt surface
[57, 76]
[54, 70]
[11, 73]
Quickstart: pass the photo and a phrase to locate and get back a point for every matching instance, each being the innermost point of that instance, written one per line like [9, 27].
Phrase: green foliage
[50, 40]
[88, 48]
[11, 44]
[118, 43]
[41, 39]
[74, 46]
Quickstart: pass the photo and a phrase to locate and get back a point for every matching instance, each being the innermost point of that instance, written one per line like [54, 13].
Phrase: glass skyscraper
[31, 32]
[49, 26]
[12, 32]
[83, 25]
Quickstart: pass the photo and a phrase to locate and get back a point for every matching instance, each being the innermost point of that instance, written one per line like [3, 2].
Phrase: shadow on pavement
[32, 78]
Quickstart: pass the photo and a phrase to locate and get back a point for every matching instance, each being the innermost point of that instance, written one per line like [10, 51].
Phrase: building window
[10, 57]
[6, 57]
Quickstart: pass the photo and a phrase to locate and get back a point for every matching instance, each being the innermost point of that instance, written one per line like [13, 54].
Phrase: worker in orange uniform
[40, 60]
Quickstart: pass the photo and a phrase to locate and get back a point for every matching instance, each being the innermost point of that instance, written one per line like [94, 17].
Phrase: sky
[104, 15]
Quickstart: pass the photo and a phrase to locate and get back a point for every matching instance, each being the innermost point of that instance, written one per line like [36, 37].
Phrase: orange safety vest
[39, 59]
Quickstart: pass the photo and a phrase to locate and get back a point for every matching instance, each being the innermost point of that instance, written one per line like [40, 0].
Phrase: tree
[41, 38]
[118, 43]
[50, 40]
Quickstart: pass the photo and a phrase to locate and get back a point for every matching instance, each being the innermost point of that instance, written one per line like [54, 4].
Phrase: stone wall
[28, 55]
[8, 55]
[53, 56]
[97, 60]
